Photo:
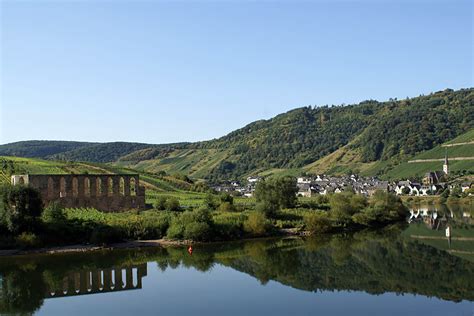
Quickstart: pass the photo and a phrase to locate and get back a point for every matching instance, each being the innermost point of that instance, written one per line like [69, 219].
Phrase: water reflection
[371, 262]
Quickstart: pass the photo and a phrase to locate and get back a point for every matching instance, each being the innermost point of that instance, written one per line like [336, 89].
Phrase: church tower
[446, 165]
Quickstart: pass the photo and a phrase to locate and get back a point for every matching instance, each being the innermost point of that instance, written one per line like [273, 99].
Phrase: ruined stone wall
[110, 193]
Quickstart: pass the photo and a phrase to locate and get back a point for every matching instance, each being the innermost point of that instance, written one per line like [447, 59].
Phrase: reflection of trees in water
[22, 291]
[373, 262]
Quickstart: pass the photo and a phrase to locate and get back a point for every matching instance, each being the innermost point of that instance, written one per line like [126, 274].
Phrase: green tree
[20, 208]
[276, 193]
[172, 204]
[53, 213]
[160, 203]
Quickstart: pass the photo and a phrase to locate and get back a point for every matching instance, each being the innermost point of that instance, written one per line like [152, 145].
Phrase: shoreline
[90, 248]
[134, 244]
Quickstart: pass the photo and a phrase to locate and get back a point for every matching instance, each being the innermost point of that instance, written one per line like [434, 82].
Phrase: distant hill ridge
[370, 138]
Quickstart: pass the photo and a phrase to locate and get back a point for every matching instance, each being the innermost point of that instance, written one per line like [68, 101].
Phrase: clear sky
[169, 71]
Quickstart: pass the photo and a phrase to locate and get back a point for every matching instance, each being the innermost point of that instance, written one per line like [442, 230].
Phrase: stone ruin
[109, 193]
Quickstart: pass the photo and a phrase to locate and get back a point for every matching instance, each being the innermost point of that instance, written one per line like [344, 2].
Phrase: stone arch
[75, 187]
[98, 185]
[110, 186]
[87, 186]
[50, 187]
[133, 186]
[62, 187]
[122, 186]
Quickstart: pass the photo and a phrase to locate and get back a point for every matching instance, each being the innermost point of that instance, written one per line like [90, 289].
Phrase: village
[433, 183]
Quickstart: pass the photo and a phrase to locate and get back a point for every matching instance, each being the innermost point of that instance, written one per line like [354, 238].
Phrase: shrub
[383, 208]
[189, 225]
[198, 231]
[228, 225]
[277, 192]
[226, 197]
[176, 229]
[226, 207]
[318, 222]
[257, 224]
[20, 208]
[53, 213]
[267, 208]
[104, 235]
[160, 203]
[172, 204]
[27, 240]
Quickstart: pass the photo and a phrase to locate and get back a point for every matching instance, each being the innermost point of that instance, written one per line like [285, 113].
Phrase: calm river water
[400, 271]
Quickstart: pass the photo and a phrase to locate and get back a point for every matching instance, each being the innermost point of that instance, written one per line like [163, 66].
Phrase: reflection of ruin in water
[100, 281]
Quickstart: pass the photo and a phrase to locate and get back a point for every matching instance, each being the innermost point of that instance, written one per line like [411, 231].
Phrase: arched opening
[110, 186]
[21, 181]
[62, 187]
[50, 187]
[87, 187]
[75, 187]
[98, 184]
[133, 187]
[122, 186]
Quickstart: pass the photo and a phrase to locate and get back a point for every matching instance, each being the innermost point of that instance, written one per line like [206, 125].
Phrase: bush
[226, 207]
[53, 213]
[198, 231]
[172, 205]
[318, 223]
[104, 235]
[267, 208]
[27, 240]
[228, 225]
[20, 208]
[383, 208]
[160, 203]
[189, 225]
[257, 224]
[277, 192]
[226, 197]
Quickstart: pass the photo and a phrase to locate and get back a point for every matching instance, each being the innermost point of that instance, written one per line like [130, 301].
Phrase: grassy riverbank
[25, 225]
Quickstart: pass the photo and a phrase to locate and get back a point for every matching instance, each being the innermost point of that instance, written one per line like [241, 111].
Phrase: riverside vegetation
[25, 224]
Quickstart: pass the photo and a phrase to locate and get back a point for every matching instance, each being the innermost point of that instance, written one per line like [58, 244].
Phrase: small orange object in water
[190, 250]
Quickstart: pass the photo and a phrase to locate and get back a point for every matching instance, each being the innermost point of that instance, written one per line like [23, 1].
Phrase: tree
[53, 213]
[160, 203]
[172, 204]
[20, 208]
[406, 190]
[276, 193]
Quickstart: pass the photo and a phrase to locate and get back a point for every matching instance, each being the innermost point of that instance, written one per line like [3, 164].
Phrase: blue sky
[169, 71]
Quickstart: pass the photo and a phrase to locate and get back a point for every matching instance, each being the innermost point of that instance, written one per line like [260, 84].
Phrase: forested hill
[369, 132]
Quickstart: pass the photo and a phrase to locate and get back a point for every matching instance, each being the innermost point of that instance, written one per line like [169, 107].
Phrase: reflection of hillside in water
[371, 262]
[98, 281]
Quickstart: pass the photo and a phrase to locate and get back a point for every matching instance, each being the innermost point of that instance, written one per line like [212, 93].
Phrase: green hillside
[371, 138]
[155, 185]
[407, 170]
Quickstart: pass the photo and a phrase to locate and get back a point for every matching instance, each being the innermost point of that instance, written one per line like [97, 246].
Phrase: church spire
[446, 163]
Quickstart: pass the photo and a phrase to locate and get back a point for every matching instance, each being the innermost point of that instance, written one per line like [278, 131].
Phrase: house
[303, 180]
[306, 190]
[253, 179]
[465, 186]
[433, 177]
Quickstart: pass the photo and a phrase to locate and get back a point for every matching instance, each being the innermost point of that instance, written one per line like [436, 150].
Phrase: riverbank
[135, 244]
